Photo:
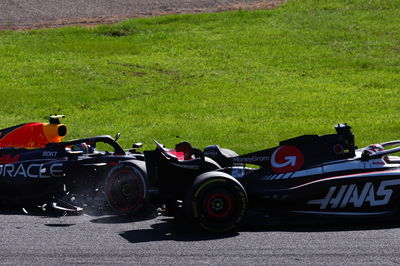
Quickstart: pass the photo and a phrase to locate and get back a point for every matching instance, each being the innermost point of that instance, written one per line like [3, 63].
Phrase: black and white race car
[310, 175]
[38, 168]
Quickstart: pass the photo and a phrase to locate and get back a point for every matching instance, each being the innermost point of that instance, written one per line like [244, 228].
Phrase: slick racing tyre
[216, 202]
[126, 187]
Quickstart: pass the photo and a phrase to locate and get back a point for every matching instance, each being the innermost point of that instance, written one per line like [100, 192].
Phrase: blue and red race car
[37, 168]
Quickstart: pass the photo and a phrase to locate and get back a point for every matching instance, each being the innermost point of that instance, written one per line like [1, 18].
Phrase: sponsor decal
[211, 153]
[237, 172]
[351, 196]
[252, 159]
[34, 170]
[286, 159]
[278, 176]
[7, 158]
[338, 149]
[49, 153]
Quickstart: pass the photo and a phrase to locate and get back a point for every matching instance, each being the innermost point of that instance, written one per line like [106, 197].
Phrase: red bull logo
[32, 135]
[7, 158]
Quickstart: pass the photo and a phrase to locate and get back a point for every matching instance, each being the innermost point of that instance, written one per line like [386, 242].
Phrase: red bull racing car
[37, 168]
[307, 176]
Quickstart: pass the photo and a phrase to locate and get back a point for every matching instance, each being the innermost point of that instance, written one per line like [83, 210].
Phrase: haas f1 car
[310, 175]
[37, 168]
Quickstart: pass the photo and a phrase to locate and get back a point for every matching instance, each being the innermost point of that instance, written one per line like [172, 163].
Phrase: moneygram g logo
[286, 159]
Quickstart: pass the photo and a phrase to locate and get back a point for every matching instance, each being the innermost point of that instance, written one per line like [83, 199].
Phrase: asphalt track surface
[112, 240]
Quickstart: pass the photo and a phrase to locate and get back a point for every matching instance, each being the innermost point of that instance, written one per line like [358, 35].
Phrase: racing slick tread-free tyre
[126, 187]
[216, 202]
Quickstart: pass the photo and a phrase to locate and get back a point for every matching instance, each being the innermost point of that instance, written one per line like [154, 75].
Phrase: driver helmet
[373, 148]
[80, 147]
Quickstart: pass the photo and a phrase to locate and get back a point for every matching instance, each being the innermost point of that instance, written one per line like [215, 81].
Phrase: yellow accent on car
[54, 132]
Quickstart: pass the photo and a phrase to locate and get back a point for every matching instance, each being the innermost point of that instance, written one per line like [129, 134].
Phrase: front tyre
[217, 202]
[126, 187]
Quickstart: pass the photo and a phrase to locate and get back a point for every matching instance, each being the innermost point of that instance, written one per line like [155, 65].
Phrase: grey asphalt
[34, 12]
[110, 240]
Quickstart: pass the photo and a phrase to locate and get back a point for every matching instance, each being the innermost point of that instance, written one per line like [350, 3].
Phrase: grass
[242, 79]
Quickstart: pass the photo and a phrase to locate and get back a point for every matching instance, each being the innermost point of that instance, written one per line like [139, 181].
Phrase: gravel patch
[23, 14]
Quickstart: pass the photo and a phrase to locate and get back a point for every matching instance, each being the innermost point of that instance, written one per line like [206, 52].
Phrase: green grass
[242, 79]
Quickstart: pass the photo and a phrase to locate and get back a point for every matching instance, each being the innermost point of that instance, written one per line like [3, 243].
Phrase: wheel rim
[216, 203]
[219, 205]
[125, 190]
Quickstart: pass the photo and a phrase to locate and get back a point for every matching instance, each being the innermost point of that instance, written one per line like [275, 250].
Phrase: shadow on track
[322, 224]
[328, 227]
[169, 230]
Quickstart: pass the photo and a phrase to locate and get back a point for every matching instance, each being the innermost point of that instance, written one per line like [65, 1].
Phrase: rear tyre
[217, 202]
[126, 187]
